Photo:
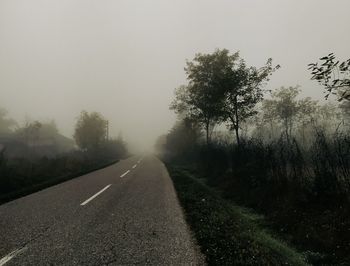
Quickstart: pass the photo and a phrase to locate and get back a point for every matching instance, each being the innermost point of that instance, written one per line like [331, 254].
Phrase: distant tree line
[37, 153]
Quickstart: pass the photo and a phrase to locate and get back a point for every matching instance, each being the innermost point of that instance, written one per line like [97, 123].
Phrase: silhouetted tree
[306, 114]
[284, 107]
[221, 88]
[243, 90]
[201, 100]
[333, 75]
[90, 131]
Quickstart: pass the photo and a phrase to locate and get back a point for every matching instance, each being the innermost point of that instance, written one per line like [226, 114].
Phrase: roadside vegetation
[36, 155]
[228, 234]
[272, 150]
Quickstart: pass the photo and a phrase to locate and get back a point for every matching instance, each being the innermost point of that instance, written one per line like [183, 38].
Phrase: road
[125, 214]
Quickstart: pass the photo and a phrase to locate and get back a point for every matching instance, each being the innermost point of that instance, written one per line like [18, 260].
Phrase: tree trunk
[207, 132]
[236, 125]
[237, 136]
[286, 125]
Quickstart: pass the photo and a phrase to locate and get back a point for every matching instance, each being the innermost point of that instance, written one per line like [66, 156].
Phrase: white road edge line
[125, 173]
[134, 166]
[94, 196]
[11, 255]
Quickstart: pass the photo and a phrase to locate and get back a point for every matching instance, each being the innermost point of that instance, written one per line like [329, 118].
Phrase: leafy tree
[328, 118]
[90, 131]
[6, 124]
[268, 119]
[333, 75]
[201, 100]
[284, 106]
[221, 88]
[307, 116]
[243, 90]
[30, 132]
[307, 110]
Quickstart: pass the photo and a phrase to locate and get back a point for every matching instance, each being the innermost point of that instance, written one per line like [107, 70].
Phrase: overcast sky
[124, 58]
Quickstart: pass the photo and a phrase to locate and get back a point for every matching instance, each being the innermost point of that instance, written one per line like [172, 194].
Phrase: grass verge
[228, 234]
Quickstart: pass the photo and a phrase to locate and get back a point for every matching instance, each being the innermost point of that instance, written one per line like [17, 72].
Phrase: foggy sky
[124, 58]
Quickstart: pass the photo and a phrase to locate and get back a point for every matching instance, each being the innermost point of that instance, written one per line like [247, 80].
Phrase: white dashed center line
[134, 166]
[11, 255]
[94, 196]
[125, 173]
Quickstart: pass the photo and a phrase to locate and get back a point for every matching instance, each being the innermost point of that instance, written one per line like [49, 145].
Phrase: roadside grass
[228, 234]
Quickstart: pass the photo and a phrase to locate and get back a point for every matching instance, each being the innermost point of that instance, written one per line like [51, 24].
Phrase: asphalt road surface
[125, 214]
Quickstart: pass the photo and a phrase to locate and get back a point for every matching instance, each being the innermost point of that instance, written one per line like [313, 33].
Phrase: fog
[125, 58]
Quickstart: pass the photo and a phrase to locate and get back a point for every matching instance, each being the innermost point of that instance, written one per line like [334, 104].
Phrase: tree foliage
[333, 75]
[285, 108]
[202, 98]
[90, 130]
[244, 89]
[221, 88]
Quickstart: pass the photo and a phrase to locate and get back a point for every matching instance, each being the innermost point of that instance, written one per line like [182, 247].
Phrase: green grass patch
[228, 234]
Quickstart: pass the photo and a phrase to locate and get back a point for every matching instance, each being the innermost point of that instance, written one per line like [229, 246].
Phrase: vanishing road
[125, 214]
